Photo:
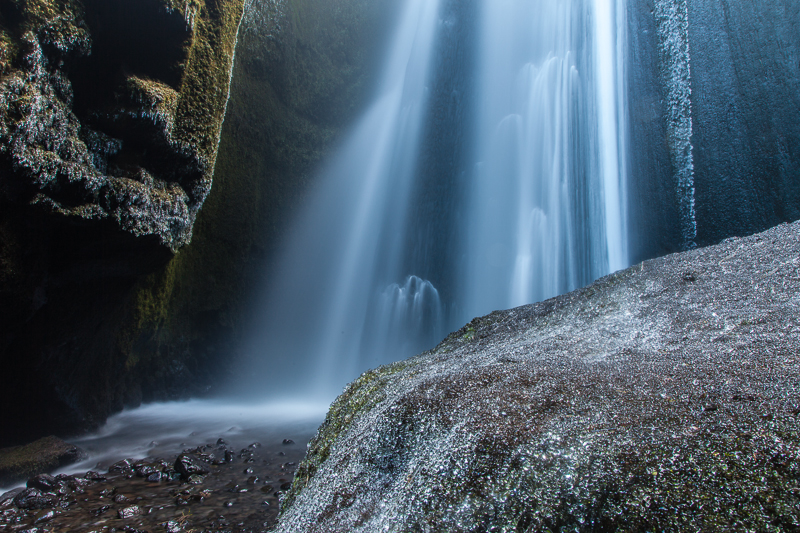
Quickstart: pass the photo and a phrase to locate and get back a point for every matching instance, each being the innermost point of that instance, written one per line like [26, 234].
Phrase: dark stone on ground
[21, 462]
[35, 499]
[45, 483]
[129, 512]
[187, 467]
[171, 505]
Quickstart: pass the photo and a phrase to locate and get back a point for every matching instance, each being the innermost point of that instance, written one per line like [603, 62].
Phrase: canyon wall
[111, 134]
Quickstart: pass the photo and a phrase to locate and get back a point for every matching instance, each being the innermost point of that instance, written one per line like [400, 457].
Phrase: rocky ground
[660, 398]
[663, 397]
[212, 487]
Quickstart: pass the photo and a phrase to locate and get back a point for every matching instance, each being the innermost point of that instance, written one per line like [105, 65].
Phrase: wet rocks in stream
[207, 488]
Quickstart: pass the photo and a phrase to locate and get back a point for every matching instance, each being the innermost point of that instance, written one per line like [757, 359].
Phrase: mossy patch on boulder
[44, 455]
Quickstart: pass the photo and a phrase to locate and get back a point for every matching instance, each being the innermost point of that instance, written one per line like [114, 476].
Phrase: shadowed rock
[21, 462]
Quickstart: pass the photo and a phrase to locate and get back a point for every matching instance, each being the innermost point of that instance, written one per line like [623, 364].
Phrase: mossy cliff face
[110, 118]
[661, 398]
[303, 70]
[112, 131]
[94, 126]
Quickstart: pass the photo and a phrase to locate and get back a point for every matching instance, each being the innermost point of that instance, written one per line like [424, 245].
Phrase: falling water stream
[548, 194]
[542, 205]
[544, 200]
[338, 302]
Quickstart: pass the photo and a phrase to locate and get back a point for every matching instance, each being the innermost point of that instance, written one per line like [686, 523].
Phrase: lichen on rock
[75, 153]
[110, 118]
[660, 398]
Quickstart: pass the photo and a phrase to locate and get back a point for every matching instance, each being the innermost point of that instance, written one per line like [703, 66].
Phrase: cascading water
[544, 212]
[548, 194]
[339, 270]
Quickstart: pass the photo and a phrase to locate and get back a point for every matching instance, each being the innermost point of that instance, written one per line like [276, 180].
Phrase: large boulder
[19, 463]
[660, 398]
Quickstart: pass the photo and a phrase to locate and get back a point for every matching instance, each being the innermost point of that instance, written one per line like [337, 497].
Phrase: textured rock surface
[110, 118]
[661, 398]
[21, 462]
[89, 133]
[713, 91]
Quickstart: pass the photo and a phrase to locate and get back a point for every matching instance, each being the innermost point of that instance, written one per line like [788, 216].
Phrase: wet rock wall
[714, 102]
[110, 116]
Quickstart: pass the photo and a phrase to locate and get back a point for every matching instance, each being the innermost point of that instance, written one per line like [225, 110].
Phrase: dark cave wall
[98, 316]
[744, 104]
[101, 178]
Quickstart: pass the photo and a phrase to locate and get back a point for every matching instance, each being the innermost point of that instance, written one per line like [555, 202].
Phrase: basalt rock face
[110, 118]
[661, 398]
[713, 105]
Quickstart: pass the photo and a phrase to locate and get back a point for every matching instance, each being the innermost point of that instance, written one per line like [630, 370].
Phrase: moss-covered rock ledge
[110, 120]
[664, 397]
[112, 111]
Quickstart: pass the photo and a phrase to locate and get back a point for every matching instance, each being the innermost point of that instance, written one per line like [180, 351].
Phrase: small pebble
[100, 510]
[129, 512]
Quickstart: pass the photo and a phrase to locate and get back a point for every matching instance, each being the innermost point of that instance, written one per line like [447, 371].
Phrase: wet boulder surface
[18, 463]
[660, 398]
[226, 488]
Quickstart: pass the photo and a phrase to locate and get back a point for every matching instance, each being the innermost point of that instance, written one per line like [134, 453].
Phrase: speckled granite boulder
[661, 398]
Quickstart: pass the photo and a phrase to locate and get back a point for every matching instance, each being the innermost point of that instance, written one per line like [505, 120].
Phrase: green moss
[58, 23]
[359, 397]
[201, 106]
[159, 99]
[8, 51]
[22, 462]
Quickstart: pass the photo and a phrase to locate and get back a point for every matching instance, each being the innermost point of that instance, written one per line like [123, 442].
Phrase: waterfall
[548, 194]
[338, 281]
[533, 185]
